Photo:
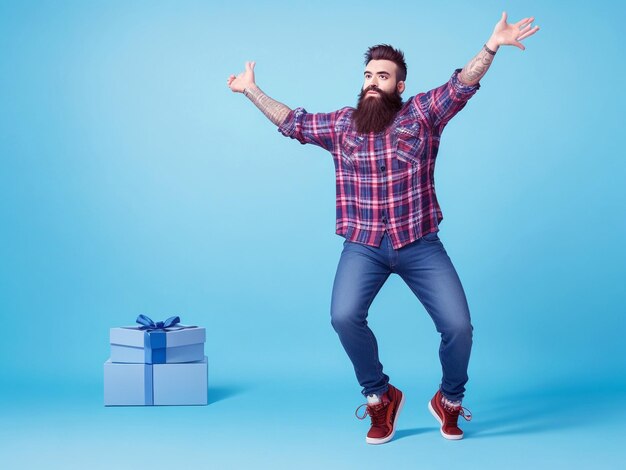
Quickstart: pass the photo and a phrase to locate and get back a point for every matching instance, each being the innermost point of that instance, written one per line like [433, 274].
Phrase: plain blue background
[134, 181]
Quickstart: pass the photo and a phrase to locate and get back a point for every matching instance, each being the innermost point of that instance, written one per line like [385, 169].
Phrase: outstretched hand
[244, 80]
[505, 34]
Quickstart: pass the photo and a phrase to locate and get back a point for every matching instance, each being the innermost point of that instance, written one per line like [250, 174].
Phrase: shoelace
[376, 412]
[467, 414]
[458, 411]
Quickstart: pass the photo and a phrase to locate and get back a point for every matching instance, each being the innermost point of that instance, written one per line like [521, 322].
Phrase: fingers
[523, 22]
[530, 32]
[503, 18]
[250, 66]
[232, 78]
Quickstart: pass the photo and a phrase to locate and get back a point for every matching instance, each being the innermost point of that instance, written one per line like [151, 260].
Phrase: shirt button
[382, 168]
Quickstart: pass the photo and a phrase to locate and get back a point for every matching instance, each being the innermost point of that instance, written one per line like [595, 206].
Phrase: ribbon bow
[148, 324]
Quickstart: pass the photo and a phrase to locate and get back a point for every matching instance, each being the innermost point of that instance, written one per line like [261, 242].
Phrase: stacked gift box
[160, 363]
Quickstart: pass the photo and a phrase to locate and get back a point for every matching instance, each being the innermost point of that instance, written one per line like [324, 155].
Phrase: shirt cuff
[462, 92]
[289, 126]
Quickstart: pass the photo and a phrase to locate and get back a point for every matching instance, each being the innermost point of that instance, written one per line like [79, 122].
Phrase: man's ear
[400, 86]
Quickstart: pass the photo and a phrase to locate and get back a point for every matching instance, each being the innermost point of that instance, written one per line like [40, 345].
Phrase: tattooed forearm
[275, 111]
[477, 67]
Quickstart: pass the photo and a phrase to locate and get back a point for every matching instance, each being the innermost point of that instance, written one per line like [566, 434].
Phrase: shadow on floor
[223, 392]
[543, 409]
[402, 433]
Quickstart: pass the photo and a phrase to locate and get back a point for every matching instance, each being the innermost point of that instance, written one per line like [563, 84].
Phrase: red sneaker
[384, 415]
[448, 416]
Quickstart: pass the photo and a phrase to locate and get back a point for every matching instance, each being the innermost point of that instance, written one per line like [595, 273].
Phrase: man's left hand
[505, 34]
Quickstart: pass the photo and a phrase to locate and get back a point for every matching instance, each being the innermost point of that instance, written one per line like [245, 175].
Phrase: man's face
[379, 99]
[381, 74]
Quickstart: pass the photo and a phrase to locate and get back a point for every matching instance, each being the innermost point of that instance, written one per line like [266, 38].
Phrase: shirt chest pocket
[410, 147]
[349, 147]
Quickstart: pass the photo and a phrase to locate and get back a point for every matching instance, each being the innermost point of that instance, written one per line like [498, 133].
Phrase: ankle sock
[373, 399]
[450, 403]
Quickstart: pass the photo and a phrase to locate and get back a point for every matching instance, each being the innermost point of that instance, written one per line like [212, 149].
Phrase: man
[384, 154]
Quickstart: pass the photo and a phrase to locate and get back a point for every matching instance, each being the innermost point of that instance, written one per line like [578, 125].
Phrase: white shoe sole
[373, 440]
[452, 437]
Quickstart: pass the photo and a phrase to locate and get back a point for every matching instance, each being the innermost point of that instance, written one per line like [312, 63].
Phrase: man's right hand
[243, 80]
[275, 111]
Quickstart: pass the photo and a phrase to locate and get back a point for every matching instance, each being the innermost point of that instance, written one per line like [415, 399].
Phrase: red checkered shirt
[385, 181]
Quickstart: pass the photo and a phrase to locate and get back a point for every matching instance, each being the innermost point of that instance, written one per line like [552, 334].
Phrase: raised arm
[504, 34]
[244, 83]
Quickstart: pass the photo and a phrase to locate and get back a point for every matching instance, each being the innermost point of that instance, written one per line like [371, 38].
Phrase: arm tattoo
[477, 67]
[275, 111]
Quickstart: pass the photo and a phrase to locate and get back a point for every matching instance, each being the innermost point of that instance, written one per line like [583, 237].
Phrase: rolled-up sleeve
[311, 128]
[441, 104]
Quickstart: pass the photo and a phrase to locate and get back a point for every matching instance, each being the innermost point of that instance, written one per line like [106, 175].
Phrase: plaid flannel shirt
[385, 181]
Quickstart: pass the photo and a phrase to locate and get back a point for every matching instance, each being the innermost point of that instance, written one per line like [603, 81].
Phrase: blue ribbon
[149, 325]
[155, 342]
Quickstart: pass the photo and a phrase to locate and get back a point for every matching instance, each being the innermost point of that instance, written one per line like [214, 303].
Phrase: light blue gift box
[161, 343]
[155, 384]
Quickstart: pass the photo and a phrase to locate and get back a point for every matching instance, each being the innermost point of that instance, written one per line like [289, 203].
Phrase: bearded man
[384, 153]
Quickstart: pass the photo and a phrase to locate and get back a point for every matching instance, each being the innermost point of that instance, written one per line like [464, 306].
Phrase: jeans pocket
[431, 237]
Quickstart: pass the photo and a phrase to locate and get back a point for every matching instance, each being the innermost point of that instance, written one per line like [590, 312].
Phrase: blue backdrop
[134, 181]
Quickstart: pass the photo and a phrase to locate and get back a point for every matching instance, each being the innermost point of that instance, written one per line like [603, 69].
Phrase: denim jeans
[426, 268]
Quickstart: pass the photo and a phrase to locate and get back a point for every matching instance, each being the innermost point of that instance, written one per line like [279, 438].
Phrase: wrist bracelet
[489, 50]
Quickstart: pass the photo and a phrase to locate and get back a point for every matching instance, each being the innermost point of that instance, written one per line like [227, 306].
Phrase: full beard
[374, 114]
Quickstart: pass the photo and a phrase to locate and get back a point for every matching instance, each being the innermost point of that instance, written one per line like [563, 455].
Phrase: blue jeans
[426, 268]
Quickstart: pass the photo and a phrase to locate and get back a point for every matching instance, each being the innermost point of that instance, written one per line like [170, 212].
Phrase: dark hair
[386, 52]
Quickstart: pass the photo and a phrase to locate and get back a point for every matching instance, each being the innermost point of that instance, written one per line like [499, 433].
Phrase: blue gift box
[162, 343]
[155, 384]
